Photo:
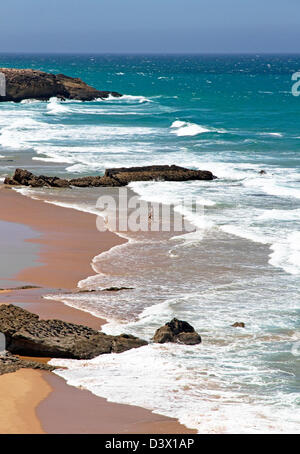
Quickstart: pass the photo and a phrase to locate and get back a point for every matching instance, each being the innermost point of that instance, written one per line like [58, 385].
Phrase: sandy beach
[67, 242]
[20, 393]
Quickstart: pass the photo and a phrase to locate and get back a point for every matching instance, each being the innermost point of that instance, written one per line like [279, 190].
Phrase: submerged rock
[112, 177]
[27, 335]
[108, 289]
[177, 331]
[32, 84]
[238, 325]
[22, 287]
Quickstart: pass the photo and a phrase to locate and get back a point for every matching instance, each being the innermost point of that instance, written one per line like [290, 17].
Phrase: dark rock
[90, 181]
[14, 318]
[85, 182]
[125, 342]
[27, 335]
[159, 172]
[109, 289]
[22, 287]
[239, 325]
[262, 172]
[32, 84]
[111, 182]
[10, 363]
[25, 178]
[112, 178]
[177, 331]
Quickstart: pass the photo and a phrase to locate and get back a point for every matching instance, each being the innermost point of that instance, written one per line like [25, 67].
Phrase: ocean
[232, 115]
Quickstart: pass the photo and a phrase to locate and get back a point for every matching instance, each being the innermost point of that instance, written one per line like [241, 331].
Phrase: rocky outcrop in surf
[238, 325]
[112, 177]
[32, 84]
[125, 175]
[177, 331]
[27, 335]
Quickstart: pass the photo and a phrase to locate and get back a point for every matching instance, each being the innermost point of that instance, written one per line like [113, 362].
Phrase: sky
[150, 26]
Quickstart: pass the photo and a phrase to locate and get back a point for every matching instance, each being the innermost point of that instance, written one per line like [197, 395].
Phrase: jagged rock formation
[24, 178]
[177, 331]
[32, 84]
[27, 335]
[112, 177]
[10, 363]
[239, 325]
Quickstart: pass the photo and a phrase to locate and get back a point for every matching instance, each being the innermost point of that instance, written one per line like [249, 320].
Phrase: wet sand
[73, 411]
[68, 240]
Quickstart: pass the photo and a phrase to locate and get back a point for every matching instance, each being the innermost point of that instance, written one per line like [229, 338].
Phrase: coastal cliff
[32, 84]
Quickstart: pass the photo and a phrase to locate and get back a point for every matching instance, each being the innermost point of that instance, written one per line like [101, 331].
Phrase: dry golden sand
[20, 393]
[68, 242]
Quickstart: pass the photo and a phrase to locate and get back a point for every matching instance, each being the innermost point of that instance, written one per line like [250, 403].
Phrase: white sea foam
[167, 192]
[183, 128]
[20, 133]
[44, 138]
[274, 134]
[126, 99]
[281, 215]
[276, 185]
[286, 254]
[56, 107]
[30, 101]
[246, 233]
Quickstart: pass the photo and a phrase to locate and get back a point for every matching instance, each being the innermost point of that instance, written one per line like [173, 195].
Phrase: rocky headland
[24, 84]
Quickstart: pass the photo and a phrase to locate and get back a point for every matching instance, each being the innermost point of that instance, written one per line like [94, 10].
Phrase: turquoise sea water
[233, 115]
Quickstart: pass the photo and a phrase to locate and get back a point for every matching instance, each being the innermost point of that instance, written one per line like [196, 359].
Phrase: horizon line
[147, 53]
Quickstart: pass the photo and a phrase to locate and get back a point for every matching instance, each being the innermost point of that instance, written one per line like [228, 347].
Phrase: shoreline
[67, 242]
[20, 394]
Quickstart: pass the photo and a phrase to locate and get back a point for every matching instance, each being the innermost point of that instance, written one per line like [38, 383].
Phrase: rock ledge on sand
[27, 335]
[10, 363]
[32, 84]
[177, 331]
